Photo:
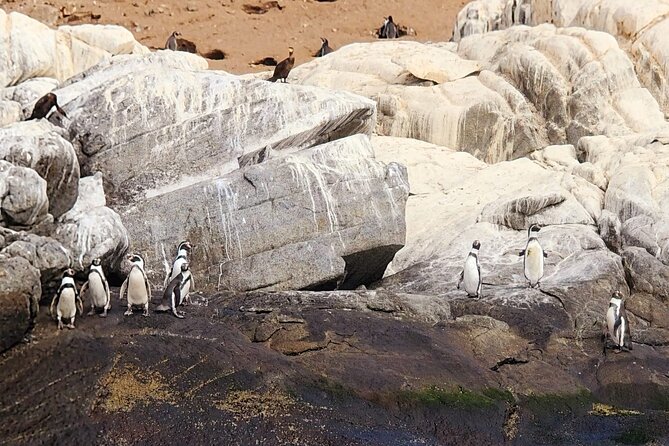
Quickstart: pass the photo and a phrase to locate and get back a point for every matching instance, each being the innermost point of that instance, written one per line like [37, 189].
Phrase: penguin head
[96, 262]
[68, 273]
[184, 245]
[324, 41]
[176, 34]
[533, 229]
[136, 259]
[476, 244]
[390, 19]
[290, 50]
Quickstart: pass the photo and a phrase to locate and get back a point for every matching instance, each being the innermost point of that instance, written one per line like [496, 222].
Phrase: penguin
[183, 252]
[98, 289]
[389, 29]
[471, 274]
[137, 286]
[325, 48]
[171, 43]
[174, 293]
[44, 105]
[66, 302]
[534, 255]
[282, 70]
[617, 324]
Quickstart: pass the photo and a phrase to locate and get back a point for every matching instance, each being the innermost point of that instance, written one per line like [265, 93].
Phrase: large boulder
[112, 38]
[91, 230]
[148, 129]
[322, 217]
[23, 196]
[20, 293]
[40, 146]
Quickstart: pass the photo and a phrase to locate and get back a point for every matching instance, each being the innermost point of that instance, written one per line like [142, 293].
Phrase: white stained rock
[10, 112]
[30, 49]
[23, 196]
[112, 38]
[28, 92]
[91, 230]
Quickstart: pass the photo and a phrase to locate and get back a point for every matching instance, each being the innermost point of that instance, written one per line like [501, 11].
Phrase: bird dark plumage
[325, 48]
[44, 105]
[283, 68]
[389, 29]
[171, 43]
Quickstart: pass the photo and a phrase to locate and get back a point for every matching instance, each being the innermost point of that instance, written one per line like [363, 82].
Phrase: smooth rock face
[155, 128]
[315, 218]
[112, 38]
[23, 196]
[19, 296]
[40, 146]
[91, 230]
[46, 53]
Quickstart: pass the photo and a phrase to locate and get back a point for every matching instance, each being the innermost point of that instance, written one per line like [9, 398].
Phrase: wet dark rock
[20, 292]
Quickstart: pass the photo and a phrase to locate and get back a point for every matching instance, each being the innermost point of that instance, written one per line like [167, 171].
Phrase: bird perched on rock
[137, 286]
[533, 257]
[98, 289]
[388, 30]
[617, 326]
[283, 68]
[471, 274]
[44, 105]
[66, 302]
[324, 49]
[171, 43]
[183, 252]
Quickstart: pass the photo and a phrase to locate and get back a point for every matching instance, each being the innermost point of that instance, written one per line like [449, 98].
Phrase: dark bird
[267, 61]
[283, 68]
[389, 29]
[44, 105]
[171, 43]
[325, 48]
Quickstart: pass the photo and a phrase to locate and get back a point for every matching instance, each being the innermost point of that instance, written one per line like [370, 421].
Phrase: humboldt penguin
[98, 289]
[617, 324]
[171, 43]
[137, 286]
[389, 29]
[173, 296]
[66, 302]
[325, 48]
[282, 70]
[534, 255]
[183, 253]
[44, 105]
[471, 274]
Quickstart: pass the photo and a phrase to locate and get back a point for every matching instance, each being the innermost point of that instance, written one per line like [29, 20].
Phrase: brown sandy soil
[244, 38]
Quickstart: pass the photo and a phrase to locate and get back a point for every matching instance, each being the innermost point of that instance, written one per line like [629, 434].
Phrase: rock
[113, 39]
[91, 230]
[194, 119]
[610, 230]
[23, 196]
[44, 253]
[647, 274]
[29, 91]
[20, 293]
[39, 146]
[318, 218]
[10, 112]
[22, 59]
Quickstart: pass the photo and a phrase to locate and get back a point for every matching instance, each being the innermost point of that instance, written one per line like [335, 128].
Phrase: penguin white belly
[96, 290]
[471, 278]
[136, 288]
[611, 322]
[176, 268]
[67, 307]
[534, 262]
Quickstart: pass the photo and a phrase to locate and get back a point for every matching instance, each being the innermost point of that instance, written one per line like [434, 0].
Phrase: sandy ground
[244, 37]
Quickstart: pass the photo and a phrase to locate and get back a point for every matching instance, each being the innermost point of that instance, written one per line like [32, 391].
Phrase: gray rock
[23, 196]
[20, 293]
[39, 146]
[317, 218]
[91, 230]
[610, 230]
[10, 112]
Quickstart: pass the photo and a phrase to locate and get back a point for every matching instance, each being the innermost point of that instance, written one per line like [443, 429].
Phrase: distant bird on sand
[325, 48]
[389, 29]
[283, 68]
[44, 105]
[266, 61]
[171, 43]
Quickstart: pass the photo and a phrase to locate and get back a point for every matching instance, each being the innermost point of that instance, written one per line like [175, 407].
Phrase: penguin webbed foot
[91, 313]
[103, 314]
[127, 313]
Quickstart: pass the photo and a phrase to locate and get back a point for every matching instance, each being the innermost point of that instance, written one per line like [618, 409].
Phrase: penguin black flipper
[124, 287]
[478, 290]
[79, 304]
[545, 255]
[462, 277]
[54, 302]
[628, 335]
[521, 253]
[148, 288]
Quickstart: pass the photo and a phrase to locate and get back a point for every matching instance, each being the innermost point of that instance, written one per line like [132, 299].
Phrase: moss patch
[247, 404]
[460, 398]
[604, 410]
[125, 387]
[557, 401]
